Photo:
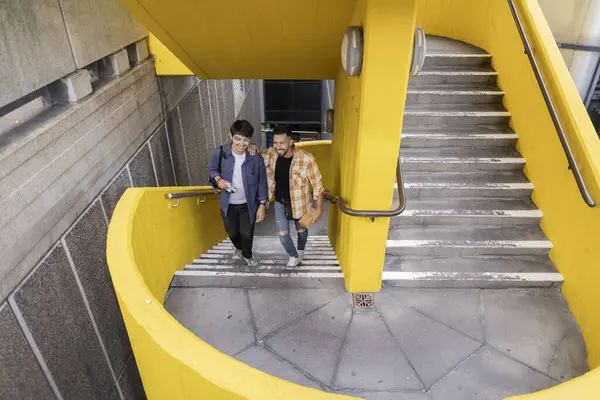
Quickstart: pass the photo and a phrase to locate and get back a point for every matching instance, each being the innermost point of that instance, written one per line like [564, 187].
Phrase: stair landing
[416, 344]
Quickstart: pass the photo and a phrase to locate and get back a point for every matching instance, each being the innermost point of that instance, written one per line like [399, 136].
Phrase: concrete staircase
[319, 269]
[470, 220]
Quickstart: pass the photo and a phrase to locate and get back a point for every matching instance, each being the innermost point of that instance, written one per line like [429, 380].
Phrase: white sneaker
[237, 254]
[293, 262]
[300, 256]
[252, 262]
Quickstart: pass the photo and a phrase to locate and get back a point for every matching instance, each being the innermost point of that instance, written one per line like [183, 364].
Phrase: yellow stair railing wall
[148, 240]
[569, 223]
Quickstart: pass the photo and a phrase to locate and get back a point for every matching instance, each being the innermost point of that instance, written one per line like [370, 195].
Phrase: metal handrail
[375, 213]
[199, 193]
[559, 128]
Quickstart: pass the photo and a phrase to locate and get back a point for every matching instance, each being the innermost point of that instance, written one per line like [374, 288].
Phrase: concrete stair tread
[455, 88]
[476, 234]
[455, 109]
[469, 264]
[471, 205]
[457, 129]
[472, 280]
[459, 153]
[458, 70]
[478, 179]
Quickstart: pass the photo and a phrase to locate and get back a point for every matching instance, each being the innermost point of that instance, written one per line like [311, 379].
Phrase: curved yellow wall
[148, 240]
[321, 149]
[573, 228]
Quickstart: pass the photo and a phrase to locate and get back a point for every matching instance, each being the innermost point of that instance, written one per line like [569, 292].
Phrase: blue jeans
[283, 227]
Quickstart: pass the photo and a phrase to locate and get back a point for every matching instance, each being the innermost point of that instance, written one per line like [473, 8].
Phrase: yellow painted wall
[148, 240]
[366, 140]
[321, 149]
[259, 39]
[165, 62]
[573, 228]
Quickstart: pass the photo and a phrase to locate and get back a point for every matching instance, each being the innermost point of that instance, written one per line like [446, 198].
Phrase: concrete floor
[417, 344]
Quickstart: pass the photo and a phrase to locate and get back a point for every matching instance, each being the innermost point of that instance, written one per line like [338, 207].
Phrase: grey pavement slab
[529, 324]
[488, 375]
[387, 395]
[432, 348]
[570, 357]
[458, 308]
[274, 308]
[371, 358]
[218, 316]
[264, 360]
[314, 343]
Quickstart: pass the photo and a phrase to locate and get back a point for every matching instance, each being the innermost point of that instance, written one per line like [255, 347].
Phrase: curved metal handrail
[375, 213]
[559, 128]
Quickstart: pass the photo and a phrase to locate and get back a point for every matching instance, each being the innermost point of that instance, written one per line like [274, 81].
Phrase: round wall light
[352, 50]
[419, 50]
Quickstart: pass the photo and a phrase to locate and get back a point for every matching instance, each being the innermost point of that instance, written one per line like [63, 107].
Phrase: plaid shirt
[304, 173]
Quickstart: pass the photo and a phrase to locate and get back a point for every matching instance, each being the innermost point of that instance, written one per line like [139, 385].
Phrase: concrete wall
[48, 39]
[61, 175]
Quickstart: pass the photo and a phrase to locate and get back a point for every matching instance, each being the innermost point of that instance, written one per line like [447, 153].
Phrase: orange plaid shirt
[304, 173]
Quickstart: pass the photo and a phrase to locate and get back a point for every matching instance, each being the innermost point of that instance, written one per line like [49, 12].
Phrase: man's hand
[260, 214]
[253, 149]
[222, 184]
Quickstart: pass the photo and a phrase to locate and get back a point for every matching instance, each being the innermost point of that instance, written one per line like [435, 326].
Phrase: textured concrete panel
[55, 313]
[262, 359]
[194, 138]
[274, 308]
[321, 332]
[215, 104]
[162, 157]
[488, 375]
[458, 308]
[140, 167]
[20, 374]
[529, 325]
[221, 109]
[209, 124]
[178, 148]
[33, 36]
[218, 316]
[174, 88]
[87, 245]
[130, 382]
[432, 348]
[114, 191]
[65, 204]
[99, 27]
[376, 363]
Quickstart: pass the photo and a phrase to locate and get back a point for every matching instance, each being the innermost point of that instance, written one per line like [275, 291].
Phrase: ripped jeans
[283, 228]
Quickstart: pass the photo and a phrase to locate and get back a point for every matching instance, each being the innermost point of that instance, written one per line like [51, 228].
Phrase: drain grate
[364, 301]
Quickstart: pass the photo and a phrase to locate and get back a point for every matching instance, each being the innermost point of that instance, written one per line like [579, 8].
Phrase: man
[243, 183]
[291, 172]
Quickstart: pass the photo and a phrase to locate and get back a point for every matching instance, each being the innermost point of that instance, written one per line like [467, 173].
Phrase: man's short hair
[242, 127]
[283, 130]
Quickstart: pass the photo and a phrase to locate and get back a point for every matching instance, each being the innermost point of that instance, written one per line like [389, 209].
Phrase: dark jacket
[254, 176]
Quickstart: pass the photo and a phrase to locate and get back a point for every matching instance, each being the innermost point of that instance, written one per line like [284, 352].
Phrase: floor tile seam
[556, 350]
[338, 360]
[423, 386]
[292, 365]
[510, 357]
[455, 367]
[436, 320]
[294, 321]
[252, 317]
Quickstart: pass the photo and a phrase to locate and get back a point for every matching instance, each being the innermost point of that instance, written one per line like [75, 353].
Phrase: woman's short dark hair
[242, 127]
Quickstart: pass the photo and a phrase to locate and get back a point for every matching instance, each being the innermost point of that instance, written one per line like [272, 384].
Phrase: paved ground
[417, 344]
